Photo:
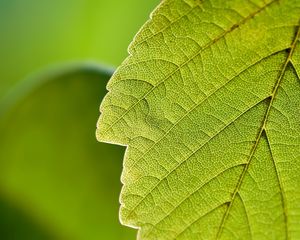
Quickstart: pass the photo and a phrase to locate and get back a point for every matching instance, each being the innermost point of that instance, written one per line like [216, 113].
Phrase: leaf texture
[208, 103]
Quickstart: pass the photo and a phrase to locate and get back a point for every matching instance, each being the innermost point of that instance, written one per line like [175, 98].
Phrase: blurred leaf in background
[56, 180]
[35, 34]
[14, 224]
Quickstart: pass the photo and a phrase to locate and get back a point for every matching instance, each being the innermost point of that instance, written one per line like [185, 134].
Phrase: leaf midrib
[262, 131]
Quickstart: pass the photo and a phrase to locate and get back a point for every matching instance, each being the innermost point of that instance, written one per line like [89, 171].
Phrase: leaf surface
[208, 103]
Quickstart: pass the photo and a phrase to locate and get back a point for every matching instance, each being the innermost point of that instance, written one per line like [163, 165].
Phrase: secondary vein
[262, 130]
[283, 198]
[208, 45]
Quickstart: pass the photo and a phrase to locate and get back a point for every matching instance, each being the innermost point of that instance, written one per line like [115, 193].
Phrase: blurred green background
[56, 180]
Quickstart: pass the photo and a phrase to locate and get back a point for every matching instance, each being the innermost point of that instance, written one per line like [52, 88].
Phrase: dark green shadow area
[52, 169]
[14, 224]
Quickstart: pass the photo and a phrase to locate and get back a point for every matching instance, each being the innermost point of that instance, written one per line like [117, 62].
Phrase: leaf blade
[166, 122]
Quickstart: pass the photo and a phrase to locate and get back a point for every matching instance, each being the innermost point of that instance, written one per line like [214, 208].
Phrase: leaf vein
[197, 190]
[262, 130]
[208, 45]
[199, 104]
[193, 153]
[199, 218]
[282, 193]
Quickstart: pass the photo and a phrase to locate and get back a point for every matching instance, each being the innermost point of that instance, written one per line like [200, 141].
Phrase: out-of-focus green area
[51, 166]
[35, 34]
[56, 180]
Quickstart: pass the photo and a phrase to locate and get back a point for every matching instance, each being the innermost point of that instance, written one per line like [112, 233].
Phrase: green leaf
[208, 103]
[53, 171]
